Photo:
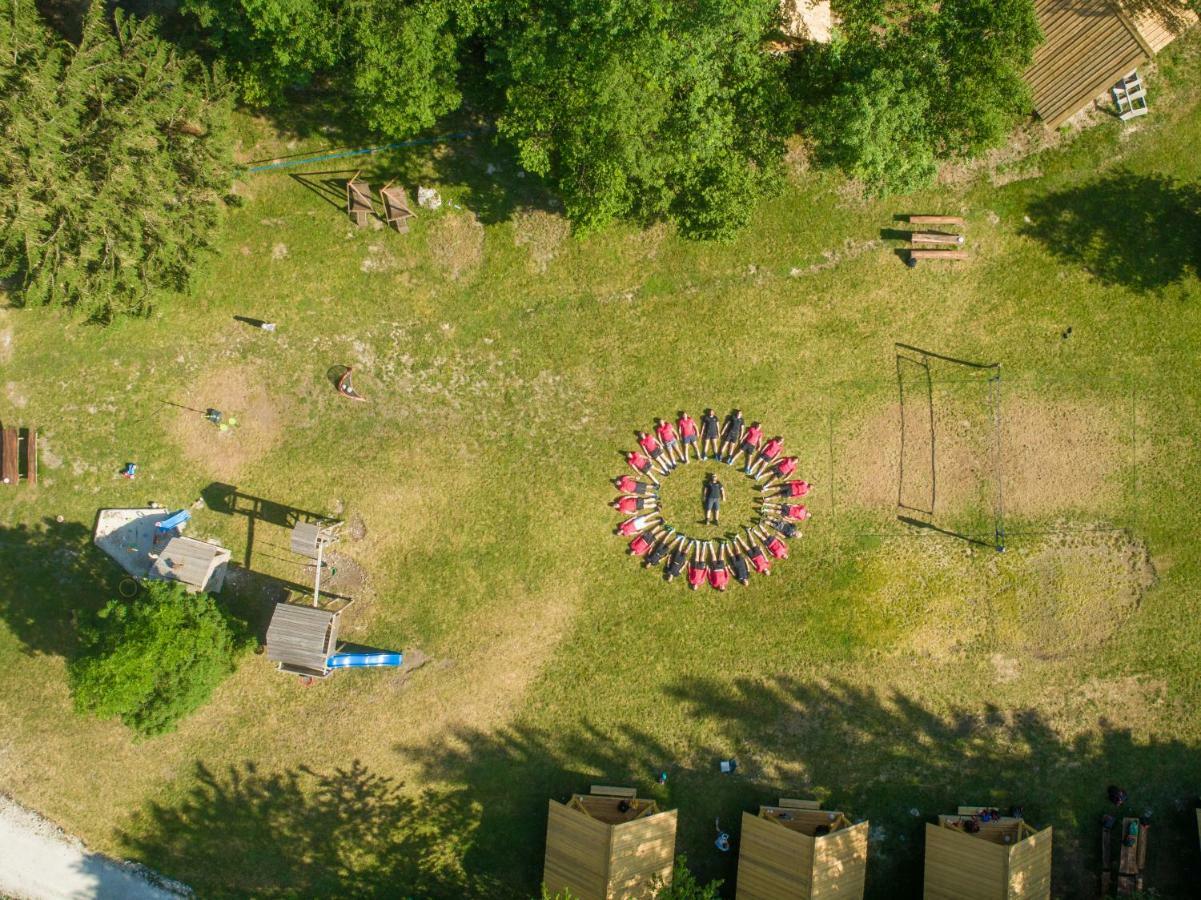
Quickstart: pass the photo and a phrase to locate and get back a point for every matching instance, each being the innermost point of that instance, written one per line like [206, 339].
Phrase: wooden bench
[604, 790]
[31, 455]
[789, 803]
[397, 211]
[358, 201]
[935, 237]
[936, 220]
[9, 471]
[915, 255]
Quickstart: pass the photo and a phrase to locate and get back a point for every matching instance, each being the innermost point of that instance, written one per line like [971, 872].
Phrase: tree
[684, 885]
[153, 660]
[646, 108]
[114, 158]
[908, 83]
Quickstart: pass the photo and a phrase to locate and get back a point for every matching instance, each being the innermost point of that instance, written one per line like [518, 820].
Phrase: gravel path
[38, 861]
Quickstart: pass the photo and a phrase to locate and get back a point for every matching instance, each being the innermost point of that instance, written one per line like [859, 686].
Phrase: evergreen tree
[114, 157]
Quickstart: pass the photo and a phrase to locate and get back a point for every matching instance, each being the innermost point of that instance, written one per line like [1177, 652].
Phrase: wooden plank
[840, 864]
[31, 455]
[642, 855]
[774, 862]
[577, 854]
[934, 237]
[604, 790]
[789, 803]
[1030, 867]
[938, 254]
[936, 220]
[961, 865]
[9, 472]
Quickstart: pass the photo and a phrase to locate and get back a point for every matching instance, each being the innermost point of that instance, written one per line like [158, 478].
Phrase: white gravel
[38, 861]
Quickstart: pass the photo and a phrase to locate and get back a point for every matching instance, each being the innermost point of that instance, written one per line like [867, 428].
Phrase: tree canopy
[908, 83]
[114, 159]
[152, 660]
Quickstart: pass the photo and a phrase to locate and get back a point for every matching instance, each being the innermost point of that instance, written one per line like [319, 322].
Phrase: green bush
[114, 158]
[152, 660]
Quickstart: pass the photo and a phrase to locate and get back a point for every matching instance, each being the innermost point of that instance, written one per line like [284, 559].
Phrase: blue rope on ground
[415, 142]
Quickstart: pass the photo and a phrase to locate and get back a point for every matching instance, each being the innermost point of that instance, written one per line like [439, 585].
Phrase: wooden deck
[1089, 45]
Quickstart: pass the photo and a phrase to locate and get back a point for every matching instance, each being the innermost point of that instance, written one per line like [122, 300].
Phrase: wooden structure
[797, 851]
[308, 538]
[9, 468]
[397, 211]
[198, 565]
[608, 844]
[1089, 45]
[1130, 97]
[936, 244]
[1005, 859]
[301, 639]
[1132, 855]
[358, 201]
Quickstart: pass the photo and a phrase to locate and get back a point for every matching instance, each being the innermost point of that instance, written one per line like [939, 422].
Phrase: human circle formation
[752, 547]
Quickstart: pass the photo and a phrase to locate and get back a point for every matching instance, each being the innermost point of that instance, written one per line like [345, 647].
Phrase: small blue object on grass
[727, 766]
[365, 661]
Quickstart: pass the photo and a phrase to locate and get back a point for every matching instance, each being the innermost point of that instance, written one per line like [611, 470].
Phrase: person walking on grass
[766, 456]
[654, 450]
[713, 492]
[731, 436]
[709, 432]
[688, 435]
[750, 443]
[670, 441]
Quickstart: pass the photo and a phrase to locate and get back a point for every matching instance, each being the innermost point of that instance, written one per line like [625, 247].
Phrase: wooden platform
[9, 467]
[301, 638]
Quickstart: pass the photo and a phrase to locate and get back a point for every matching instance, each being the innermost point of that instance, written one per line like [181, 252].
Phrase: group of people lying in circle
[714, 561]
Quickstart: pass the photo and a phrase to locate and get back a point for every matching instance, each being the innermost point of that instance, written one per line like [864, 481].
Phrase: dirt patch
[342, 575]
[807, 20]
[850, 249]
[542, 233]
[456, 244]
[239, 393]
[12, 391]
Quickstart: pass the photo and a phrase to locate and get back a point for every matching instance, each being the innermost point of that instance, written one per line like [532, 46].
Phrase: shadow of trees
[1140, 231]
[50, 575]
[300, 833]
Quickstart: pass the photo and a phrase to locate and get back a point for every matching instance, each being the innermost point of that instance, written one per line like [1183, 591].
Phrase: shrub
[153, 660]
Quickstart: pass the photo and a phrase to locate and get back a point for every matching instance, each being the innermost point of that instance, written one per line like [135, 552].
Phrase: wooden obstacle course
[798, 851]
[608, 844]
[1131, 862]
[397, 211]
[358, 201]
[944, 245]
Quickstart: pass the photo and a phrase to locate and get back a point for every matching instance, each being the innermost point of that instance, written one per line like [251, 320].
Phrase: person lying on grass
[795, 511]
[697, 566]
[755, 553]
[737, 562]
[628, 484]
[641, 523]
[642, 543]
[785, 528]
[789, 489]
[662, 548]
[641, 465]
[688, 435]
[654, 450]
[679, 556]
[631, 505]
[731, 436]
[670, 441]
[709, 432]
[713, 492]
[766, 456]
[782, 469]
[719, 575]
[750, 443]
[774, 543]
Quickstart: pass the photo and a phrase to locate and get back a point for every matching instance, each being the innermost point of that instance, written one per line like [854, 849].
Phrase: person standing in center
[713, 492]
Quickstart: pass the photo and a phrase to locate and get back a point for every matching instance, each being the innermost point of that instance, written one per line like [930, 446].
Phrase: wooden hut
[302, 638]
[1005, 858]
[798, 851]
[198, 565]
[608, 844]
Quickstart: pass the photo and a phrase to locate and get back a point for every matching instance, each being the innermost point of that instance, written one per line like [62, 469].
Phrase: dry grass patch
[541, 233]
[240, 393]
[456, 245]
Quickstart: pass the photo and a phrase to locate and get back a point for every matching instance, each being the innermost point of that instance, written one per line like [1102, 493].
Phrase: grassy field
[888, 670]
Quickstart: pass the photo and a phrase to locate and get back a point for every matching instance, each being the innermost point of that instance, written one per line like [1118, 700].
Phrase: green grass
[880, 670]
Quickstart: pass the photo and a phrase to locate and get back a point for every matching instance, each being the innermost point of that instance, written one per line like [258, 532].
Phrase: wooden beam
[936, 220]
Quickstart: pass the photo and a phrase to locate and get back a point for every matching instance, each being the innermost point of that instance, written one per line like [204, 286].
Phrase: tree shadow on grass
[872, 754]
[51, 575]
[1140, 231]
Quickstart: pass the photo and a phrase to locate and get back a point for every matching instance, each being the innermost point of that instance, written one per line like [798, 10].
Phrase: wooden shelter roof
[1006, 860]
[782, 857]
[608, 844]
[197, 564]
[1089, 45]
[301, 638]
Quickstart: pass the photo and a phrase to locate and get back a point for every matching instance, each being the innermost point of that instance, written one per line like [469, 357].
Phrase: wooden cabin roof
[197, 564]
[1089, 45]
[301, 637]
